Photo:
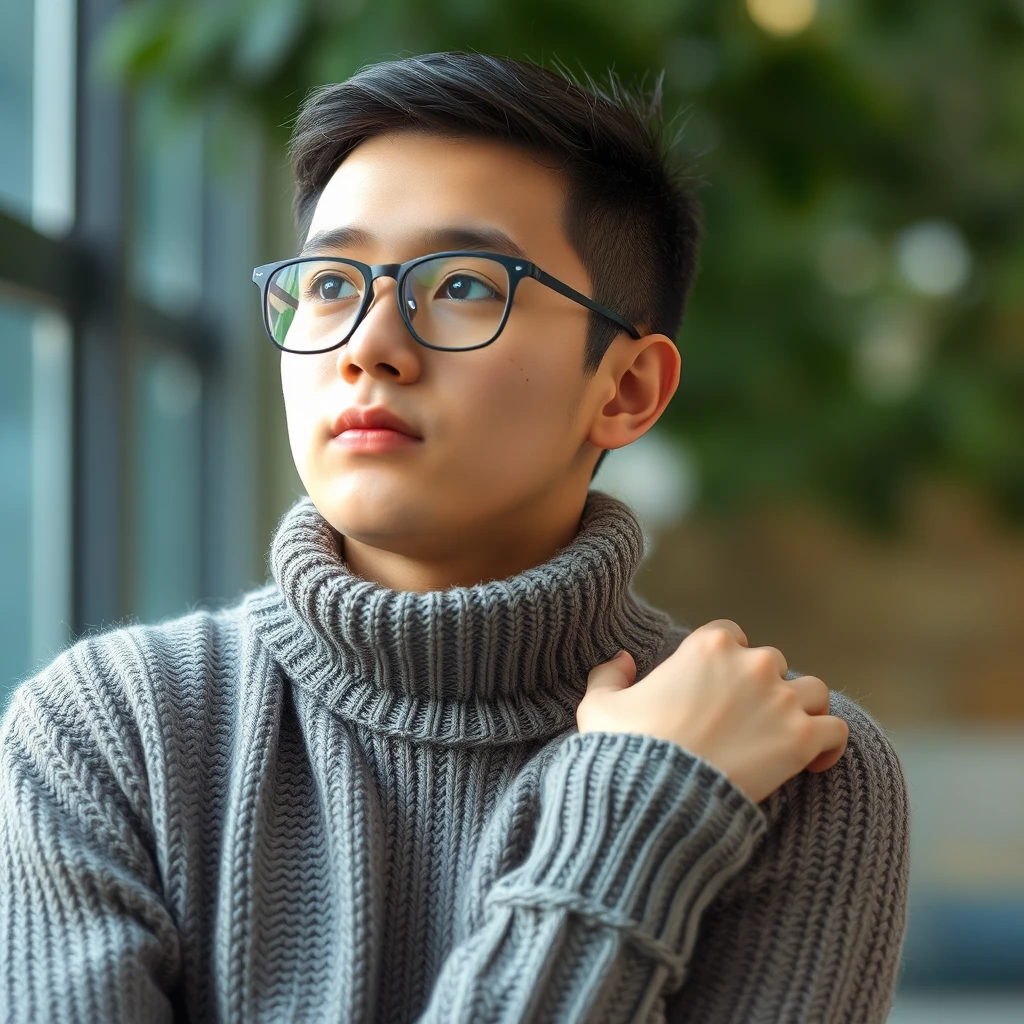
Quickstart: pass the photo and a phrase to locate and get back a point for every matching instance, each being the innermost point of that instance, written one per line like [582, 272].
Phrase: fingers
[729, 627]
[831, 734]
[824, 761]
[813, 694]
[778, 659]
[834, 732]
[616, 674]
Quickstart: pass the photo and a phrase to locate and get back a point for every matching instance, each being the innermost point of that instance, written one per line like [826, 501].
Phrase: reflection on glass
[35, 499]
[53, 102]
[167, 460]
[168, 207]
[16, 107]
[37, 75]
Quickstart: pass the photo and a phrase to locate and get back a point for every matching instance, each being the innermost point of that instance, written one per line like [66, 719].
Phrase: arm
[84, 934]
[589, 884]
[813, 928]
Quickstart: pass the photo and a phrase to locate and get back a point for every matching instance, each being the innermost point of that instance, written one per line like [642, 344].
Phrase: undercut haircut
[629, 214]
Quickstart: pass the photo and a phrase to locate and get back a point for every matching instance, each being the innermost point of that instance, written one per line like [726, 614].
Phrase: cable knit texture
[339, 802]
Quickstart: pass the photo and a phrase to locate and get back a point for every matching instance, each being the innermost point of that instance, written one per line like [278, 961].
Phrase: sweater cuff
[636, 833]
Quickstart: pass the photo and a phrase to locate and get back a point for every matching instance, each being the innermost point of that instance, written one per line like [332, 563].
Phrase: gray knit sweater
[339, 802]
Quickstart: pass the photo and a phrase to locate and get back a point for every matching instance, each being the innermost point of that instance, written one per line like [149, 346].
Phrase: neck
[496, 549]
[497, 662]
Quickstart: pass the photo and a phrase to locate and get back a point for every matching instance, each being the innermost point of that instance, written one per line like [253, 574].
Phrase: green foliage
[828, 350]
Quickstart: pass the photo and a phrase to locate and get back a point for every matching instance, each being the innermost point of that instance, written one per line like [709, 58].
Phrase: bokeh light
[890, 358]
[933, 257]
[782, 17]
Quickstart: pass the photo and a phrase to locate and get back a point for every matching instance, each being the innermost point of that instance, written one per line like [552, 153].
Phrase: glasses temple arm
[571, 293]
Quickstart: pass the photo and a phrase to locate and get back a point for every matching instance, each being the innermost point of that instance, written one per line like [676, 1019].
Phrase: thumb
[617, 674]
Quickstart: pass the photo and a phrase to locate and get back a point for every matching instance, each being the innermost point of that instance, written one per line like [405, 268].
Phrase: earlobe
[645, 379]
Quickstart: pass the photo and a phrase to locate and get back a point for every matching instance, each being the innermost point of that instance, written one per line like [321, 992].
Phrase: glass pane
[37, 72]
[16, 32]
[53, 115]
[313, 305]
[456, 301]
[35, 496]
[167, 494]
[168, 206]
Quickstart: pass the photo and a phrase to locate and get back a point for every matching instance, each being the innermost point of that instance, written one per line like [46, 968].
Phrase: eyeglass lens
[450, 301]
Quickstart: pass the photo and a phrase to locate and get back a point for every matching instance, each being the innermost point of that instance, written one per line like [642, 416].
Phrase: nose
[381, 345]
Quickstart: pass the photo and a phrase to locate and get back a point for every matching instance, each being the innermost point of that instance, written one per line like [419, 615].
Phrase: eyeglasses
[453, 301]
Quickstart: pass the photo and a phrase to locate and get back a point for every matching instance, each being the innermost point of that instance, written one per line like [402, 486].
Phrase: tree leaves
[876, 118]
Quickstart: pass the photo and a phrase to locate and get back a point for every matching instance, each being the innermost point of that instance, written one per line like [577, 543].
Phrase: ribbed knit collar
[498, 662]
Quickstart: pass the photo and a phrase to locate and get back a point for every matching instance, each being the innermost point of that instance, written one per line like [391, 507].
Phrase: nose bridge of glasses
[385, 270]
[379, 270]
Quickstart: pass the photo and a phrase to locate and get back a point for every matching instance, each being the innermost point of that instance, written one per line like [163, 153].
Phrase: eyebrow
[477, 239]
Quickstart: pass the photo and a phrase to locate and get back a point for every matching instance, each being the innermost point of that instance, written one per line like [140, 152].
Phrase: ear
[639, 377]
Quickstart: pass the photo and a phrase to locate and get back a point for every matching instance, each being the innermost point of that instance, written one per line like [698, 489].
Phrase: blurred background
[842, 470]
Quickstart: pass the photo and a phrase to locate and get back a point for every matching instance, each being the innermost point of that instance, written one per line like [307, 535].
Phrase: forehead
[400, 187]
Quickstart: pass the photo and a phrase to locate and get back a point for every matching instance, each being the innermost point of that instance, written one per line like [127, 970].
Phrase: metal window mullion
[100, 382]
[39, 268]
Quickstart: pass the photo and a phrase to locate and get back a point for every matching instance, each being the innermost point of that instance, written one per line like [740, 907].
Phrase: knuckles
[763, 662]
[715, 640]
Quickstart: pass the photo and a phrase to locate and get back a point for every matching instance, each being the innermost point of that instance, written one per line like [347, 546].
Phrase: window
[35, 501]
[16, 107]
[168, 217]
[36, 177]
[128, 334]
[166, 487]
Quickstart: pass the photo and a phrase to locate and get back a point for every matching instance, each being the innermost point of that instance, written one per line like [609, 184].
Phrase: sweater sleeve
[812, 930]
[623, 840]
[84, 934]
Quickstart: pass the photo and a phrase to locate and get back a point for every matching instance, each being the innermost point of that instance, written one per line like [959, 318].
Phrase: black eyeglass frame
[517, 269]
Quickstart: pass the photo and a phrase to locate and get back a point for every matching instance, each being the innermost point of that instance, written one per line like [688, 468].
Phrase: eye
[462, 287]
[328, 287]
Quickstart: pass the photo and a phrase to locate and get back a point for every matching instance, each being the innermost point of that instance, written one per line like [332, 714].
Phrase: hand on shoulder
[724, 701]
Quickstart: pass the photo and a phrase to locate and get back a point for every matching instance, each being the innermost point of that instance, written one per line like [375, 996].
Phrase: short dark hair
[632, 219]
[630, 216]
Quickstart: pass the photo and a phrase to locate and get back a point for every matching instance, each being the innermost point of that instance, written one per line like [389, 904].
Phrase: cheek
[300, 383]
[294, 388]
[513, 407]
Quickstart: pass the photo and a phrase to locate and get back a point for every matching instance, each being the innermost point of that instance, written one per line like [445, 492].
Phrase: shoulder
[129, 668]
[131, 703]
[869, 748]
[867, 787]
[858, 809]
[872, 778]
[869, 769]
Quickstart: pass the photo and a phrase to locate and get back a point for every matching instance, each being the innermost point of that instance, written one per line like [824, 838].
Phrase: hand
[725, 702]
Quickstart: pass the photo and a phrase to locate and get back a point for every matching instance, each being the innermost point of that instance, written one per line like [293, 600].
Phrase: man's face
[504, 429]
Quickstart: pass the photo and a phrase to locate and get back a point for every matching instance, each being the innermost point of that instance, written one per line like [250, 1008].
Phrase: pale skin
[510, 436]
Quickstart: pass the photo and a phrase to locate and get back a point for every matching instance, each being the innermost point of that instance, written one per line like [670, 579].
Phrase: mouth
[374, 440]
[363, 419]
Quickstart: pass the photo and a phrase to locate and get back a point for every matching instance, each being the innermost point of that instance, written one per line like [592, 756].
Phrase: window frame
[86, 275]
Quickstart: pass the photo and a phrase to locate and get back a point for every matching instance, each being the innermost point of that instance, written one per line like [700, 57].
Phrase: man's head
[420, 151]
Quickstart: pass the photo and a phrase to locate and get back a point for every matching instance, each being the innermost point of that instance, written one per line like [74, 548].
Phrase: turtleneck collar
[499, 662]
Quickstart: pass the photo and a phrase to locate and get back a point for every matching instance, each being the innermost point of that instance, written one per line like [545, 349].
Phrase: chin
[368, 511]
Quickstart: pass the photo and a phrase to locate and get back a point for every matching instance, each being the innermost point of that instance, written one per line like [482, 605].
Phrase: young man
[413, 778]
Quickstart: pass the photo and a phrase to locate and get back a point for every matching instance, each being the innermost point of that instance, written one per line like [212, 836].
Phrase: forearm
[634, 836]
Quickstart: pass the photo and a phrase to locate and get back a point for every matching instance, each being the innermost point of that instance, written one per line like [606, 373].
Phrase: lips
[371, 418]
